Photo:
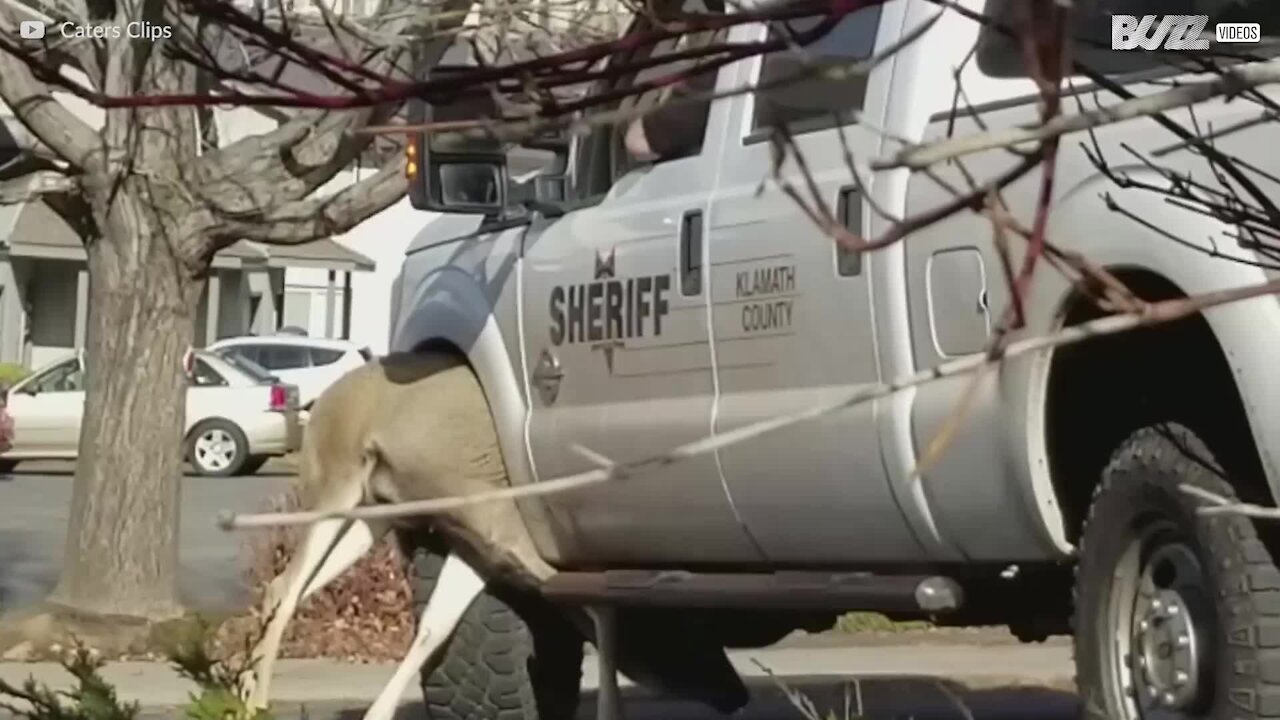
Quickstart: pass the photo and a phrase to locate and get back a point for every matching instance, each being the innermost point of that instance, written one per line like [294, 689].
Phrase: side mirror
[466, 184]
[450, 173]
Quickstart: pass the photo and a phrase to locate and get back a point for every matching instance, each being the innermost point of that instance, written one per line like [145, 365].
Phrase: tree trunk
[122, 540]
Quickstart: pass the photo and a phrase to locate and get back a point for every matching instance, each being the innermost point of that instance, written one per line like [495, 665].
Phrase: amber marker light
[411, 163]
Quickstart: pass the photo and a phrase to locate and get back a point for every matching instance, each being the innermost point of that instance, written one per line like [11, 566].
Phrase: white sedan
[238, 415]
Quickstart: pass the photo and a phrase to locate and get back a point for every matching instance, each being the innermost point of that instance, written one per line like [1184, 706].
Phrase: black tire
[1225, 631]
[226, 432]
[500, 664]
[253, 464]
[7, 466]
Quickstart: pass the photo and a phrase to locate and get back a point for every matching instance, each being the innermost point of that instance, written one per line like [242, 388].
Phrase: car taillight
[279, 398]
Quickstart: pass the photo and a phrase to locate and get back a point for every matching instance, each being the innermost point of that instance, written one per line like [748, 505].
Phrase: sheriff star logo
[605, 264]
[606, 268]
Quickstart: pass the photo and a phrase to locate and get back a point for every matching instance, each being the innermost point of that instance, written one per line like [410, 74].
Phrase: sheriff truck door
[618, 352]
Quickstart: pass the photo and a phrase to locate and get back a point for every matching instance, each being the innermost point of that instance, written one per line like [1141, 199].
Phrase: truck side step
[790, 590]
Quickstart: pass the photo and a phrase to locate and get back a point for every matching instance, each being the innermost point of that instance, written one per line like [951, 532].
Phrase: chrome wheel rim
[215, 450]
[1162, 622]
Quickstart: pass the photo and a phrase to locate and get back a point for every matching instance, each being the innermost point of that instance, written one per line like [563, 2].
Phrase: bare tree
[153, 208]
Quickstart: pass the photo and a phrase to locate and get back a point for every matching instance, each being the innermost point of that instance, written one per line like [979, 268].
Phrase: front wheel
[1176, 613]
[506, 660]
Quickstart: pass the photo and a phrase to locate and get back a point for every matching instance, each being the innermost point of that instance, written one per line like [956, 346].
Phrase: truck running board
[790, 590]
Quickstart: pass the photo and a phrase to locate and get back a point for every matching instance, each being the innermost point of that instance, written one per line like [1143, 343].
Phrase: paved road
[35, 501]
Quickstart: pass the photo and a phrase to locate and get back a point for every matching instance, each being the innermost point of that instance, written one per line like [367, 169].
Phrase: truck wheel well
[439, 345]
[1170, 372]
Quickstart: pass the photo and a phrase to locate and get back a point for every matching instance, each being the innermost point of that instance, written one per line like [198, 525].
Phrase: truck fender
[1247, 332]
[449, 307]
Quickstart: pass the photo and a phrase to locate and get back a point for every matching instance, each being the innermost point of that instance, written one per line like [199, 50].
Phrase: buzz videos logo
[31, 30]
[1176, 32]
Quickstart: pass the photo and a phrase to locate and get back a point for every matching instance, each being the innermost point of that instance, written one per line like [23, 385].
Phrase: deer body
[404, 427]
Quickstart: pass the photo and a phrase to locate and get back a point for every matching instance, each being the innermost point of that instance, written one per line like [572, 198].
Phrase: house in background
[44, 285]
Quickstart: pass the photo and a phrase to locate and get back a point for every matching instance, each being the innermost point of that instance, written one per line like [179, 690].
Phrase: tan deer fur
[404, 427]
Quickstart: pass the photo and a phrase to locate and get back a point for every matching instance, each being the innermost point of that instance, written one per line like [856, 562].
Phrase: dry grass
[365, 615]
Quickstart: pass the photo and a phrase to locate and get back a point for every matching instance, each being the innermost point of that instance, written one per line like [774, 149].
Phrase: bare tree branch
[32, 186]
[1230, 82]
[316, 218]
[54, 125]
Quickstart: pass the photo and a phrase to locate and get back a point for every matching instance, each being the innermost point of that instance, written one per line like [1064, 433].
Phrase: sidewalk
[335, 690]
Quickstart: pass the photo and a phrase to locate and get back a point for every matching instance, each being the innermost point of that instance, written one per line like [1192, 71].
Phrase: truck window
[674, 130]
[805, 88]
[1000, 57]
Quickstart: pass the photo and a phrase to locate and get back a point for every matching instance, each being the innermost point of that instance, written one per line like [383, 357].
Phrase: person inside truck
[676, 127]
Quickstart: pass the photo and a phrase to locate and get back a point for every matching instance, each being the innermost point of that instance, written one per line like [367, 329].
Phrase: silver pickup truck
[631, 307]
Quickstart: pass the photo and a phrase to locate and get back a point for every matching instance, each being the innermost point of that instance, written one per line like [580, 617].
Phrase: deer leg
[456, 588]
[328, 548]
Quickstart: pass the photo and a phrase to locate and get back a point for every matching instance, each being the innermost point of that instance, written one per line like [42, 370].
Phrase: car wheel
[7, 466]
[1175, 611]
[502, 663]
[217, 448]
[253, 464]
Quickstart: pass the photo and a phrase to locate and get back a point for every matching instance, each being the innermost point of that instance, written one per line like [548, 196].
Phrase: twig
[1219, 505]
[1232, 81]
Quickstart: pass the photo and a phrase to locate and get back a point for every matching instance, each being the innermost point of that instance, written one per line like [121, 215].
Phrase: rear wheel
[1176, 612]
[217, 448]
[7, 466]
[501, 663]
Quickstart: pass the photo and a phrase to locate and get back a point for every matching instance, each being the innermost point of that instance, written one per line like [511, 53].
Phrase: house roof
[325, 254]
[34, 230]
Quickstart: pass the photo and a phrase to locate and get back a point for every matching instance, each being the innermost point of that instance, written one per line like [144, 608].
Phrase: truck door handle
[691, 253]
[849, 215]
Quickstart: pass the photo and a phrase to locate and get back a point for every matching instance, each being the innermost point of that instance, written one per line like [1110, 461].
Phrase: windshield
[247, 366]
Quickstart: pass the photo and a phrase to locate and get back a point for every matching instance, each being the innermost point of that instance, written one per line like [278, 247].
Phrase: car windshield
[247, 366]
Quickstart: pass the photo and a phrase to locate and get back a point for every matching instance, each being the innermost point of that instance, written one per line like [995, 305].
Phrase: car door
[792, 313]
[47, 411]
[614, 322]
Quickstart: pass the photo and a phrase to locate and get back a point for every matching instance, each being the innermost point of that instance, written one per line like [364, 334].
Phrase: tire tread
[491, 670]
[1247, 576]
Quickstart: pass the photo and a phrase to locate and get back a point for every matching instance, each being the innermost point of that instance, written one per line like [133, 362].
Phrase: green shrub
[220, 695]
[11, 373]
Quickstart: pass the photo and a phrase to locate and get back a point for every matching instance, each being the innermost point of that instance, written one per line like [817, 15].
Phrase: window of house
[811, 87]
[297, 309]
[1000, 56]
[283, 357]
[67, 377]
[323, 356]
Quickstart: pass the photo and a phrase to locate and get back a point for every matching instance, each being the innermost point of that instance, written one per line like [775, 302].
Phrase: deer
[417, 426]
